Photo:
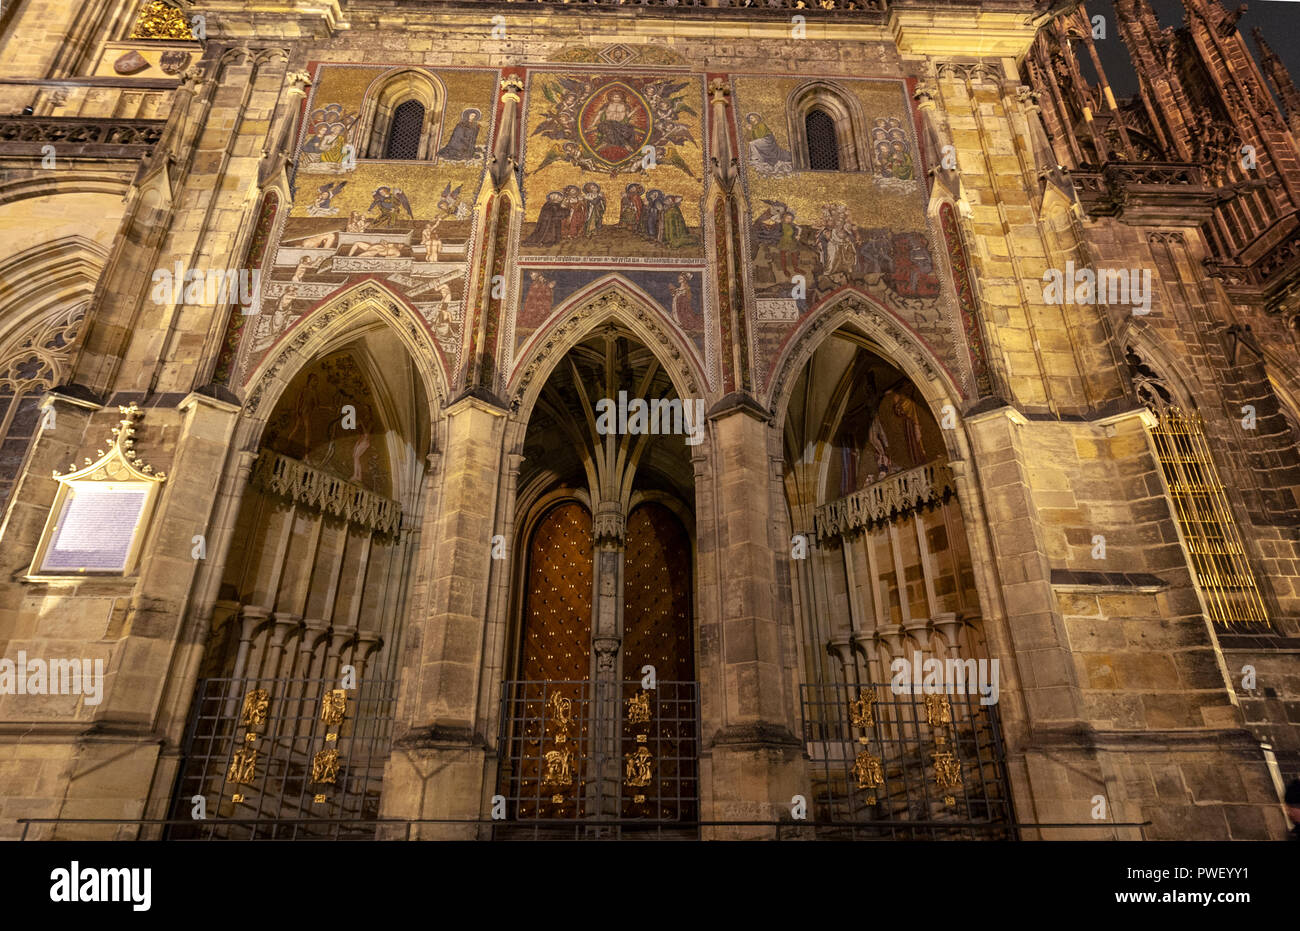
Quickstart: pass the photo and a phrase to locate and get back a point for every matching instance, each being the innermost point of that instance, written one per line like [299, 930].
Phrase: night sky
[1279, 20]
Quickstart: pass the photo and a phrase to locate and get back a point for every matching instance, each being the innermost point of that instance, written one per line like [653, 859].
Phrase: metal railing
[906, 766]
[401, 829]
[268, 753]
[598, 752]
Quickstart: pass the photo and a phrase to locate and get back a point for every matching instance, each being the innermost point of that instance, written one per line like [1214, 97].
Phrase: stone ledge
[757, 736]
[1123, 582]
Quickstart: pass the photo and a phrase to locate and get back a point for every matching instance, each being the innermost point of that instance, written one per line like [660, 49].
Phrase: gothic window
[401, 115]
[34, 362]
[404, 134]
[823, 146]
[827, 129]
[1215, 551]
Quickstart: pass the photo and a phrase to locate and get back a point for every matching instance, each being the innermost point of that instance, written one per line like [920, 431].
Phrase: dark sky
[1279, 20]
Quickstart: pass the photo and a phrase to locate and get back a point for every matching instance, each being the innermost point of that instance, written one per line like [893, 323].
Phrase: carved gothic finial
[299, 83]
[121, 447]
[718, 91]
[511, 88]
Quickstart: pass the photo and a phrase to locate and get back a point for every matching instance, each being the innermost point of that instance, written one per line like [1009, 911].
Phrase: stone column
[842, 649]
[437, 765]
[753, 762]
[609, 532]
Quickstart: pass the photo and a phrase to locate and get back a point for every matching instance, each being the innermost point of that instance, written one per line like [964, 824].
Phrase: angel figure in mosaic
[391, 202]
[326, 193]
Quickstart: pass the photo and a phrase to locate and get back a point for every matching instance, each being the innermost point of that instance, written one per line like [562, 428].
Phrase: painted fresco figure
[595, 208]
[550, 221]
[683, 306]
[880, 446]
[654, 208]
[764, 151]
[905, 409]
[391, 202]
[787, 247]
[539, 303]
[766, 228]
[576, 218]
[632, 208]
[616, 136]
[382, 250]
[322, 207]
[461, 146]
[362, 442]
[443, 325]
[309, 401]
[429, 239]
[912, 269]
[675, 232]
[328, 135]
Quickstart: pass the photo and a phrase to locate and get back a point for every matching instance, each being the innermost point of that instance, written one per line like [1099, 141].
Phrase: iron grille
[260, 751]
[932, 759]
[404, 133]
[823, 145]
[596, 751]
[1214, 547]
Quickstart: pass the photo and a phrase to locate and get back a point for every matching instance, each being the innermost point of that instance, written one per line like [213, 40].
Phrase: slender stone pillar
[609, 531]
[753, 761]
[437, 766]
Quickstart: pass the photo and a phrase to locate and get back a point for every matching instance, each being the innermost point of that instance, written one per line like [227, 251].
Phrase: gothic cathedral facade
[691, 418]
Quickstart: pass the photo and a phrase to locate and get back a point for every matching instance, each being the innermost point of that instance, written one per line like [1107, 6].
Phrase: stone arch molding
[616, 302]
[330, 326]
[897, 344]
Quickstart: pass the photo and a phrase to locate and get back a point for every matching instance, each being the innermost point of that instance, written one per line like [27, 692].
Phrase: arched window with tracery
[401, 116]
[32, 363]
[826, 129]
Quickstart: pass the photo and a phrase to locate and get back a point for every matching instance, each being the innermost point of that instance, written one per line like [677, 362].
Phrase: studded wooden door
[657, 631]
[551, 737]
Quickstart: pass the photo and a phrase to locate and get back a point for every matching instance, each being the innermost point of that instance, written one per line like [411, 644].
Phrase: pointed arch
[845, 114]
[1174, 375]
[391, 90]
[618, 301]
[337, 321]
[887, 336]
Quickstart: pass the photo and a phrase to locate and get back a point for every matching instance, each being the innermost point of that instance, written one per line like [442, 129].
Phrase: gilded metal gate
[270, 755]
[906, 765]
[580, 758]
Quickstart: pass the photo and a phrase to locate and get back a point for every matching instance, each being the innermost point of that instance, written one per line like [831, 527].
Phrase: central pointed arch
[619, 303]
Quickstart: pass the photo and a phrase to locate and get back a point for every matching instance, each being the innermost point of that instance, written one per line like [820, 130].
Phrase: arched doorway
[899, 693]
[291, 719]
[599, 716]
